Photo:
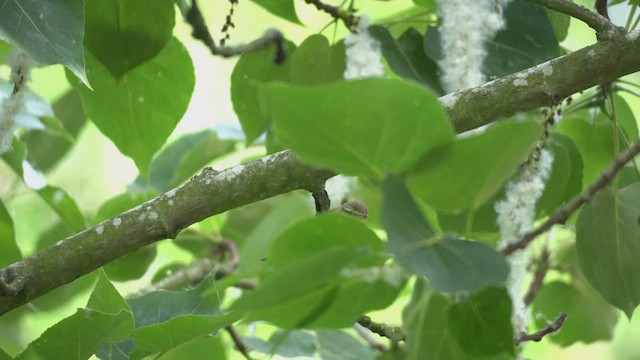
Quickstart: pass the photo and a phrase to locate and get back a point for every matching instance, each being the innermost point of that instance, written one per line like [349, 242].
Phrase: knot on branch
[10, 283]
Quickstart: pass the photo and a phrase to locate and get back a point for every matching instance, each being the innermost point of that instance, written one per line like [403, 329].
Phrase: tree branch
[212, 193]
[336, 12]
[538, 277]
[604, 28]
[193, 16]
[561, 215]
[538, 335]
[544, 85]
[160, 218]
[393, 333]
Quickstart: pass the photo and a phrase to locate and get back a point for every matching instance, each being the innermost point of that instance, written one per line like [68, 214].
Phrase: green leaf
[589, 317]
[560, 23]
[105, 298]
[427, 4]
[328, 280]
[316, 62]
[209, 347]
[450, 264]
[527, 40]
[281, 8]
[139, 112]
[64, 206]
[179, 330]
[4, 355]
[10, 252]
[46, 149]
[124, 34]
[593, 139]
[106, 318]
[625, 118]
[468, 172]
[565, 180]
[253, 69]
[406, 57]
[404, 121]
[49, 32]
[339, 345]
[608, 245]
[482, 323]
[428, 333]
[289, 343]
[182, 158]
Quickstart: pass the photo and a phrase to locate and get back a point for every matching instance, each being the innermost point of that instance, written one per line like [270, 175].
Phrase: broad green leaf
[253, 69]
[139, 111]
[316, 62]
[589, 317]
[328, 280]
[105, 298]
[450, 264]
[428, 333]
[482, 323]
[209, 347]
[10, 252]
[625, 118]
[527, 40]
[64, 206]
[468, 172]
[406, 57]
[363, 127]
[565, 180]
[57, 199]
[608, 245]
[594, 140]
[560, 23]
[339, 345]
[79, 336]
[179, 330]
[133, 265]
[46, 149]
[427, 4]
[76, 337]
[4, 355]
[290, 343]
[123, 34]
[281, 8]
[182, 158]
[49, 32]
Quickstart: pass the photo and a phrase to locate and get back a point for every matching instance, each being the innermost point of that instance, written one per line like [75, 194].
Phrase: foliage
[306, 278]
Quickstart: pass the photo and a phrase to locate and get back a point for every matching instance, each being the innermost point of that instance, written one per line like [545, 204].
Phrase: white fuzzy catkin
[465, 29]
[20, 71]
[363, 53]
[516, 214]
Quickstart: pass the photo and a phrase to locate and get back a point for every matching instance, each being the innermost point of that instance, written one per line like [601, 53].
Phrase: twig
[237, 341]
[200, 31]
[336, 12]
[392, 333]
[538, 277]
[604, 28]
[562, 214]
[366, 335]
[601, 7]
[322, 201]
[538, 335]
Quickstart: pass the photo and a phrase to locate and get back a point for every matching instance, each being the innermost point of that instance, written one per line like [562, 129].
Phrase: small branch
[237, 341]
[602, 8]
[538, 277]
[538, 335]
[604, 28]
[562, 214]
[353, 208]
[200, 31]
[336, 12]
[322, 201]
[366, 335]
[392, 333]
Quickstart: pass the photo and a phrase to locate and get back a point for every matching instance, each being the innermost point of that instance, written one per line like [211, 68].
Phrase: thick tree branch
[163, 217]
[603, 27]
[212, 193]
[546, 84]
